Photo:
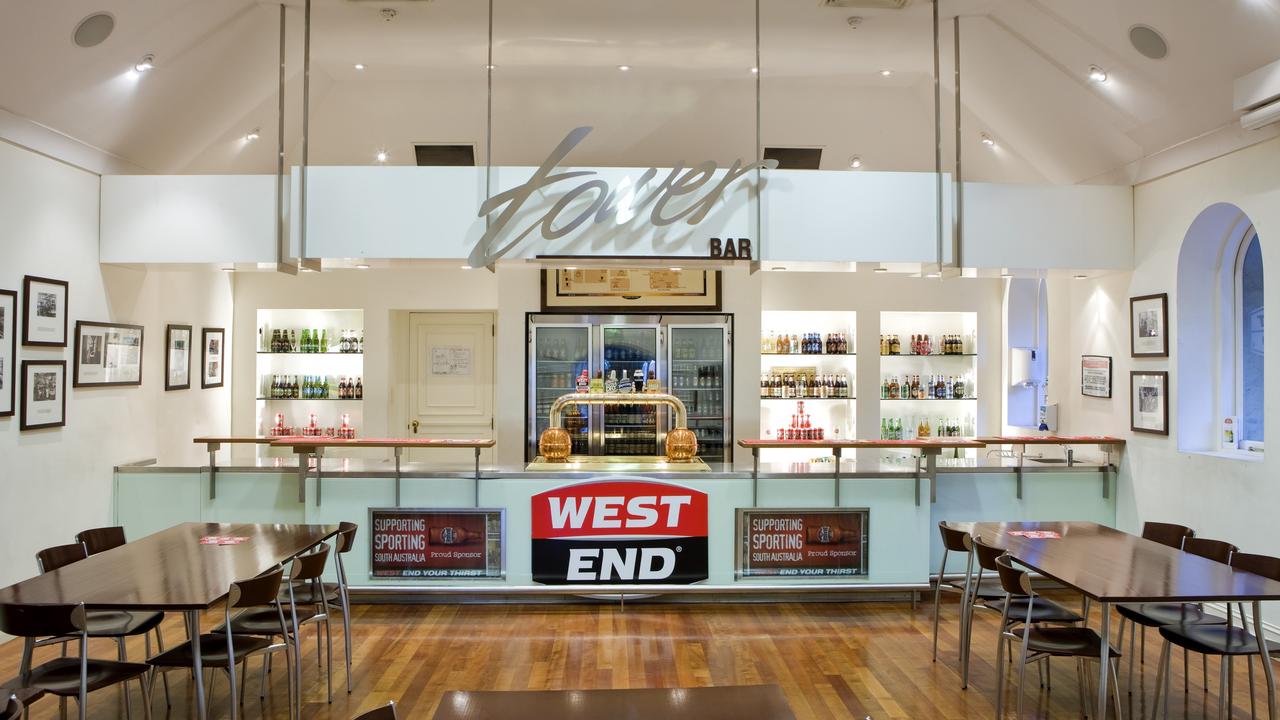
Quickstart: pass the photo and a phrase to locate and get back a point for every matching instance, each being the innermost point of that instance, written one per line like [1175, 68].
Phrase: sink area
[1050, 461]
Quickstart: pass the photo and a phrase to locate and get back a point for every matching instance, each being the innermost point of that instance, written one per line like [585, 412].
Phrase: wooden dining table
[730, 702]
[1109, 566]
[171, 571]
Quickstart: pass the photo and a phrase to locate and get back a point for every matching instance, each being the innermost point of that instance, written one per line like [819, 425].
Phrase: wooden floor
[832, 660]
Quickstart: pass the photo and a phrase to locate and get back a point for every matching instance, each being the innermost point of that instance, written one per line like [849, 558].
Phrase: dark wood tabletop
[1113, 566]
[735, 702]
[170, 570]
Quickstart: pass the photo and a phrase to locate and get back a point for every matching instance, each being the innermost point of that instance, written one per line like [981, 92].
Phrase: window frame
[1247, 239]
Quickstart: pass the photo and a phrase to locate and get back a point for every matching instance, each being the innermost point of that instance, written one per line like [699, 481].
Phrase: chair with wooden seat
[336, 594]
[97, 540]
[224, 649]
[67, 677]
[1155, 615]
[1225, 640]
[386, 712]
[959, 541]
[1038, 642]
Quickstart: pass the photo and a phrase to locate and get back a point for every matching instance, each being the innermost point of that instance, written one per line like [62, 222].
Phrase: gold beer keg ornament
[682, 445]
[554, 444]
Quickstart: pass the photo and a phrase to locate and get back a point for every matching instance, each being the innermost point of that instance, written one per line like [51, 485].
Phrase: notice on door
[802, 543]
[448, 543]
[450, 360]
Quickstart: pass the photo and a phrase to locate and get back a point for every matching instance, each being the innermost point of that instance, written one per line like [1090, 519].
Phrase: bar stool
[335, 593]
[1042, 642]
[68, 677]
[1160, 614]
[956, 540]
[386, 712]
[1223, 640]
[224, 649]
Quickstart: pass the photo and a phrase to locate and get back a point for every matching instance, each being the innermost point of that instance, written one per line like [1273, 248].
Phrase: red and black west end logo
[620, 531]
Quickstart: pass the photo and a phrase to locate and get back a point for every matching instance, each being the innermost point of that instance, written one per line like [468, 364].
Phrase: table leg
[1104, 663]
[755, 477]
[397, 450]
[477, 477]
[193, 630]
[213, 471]
[319, 473]
[837, 476]
[1260, 633]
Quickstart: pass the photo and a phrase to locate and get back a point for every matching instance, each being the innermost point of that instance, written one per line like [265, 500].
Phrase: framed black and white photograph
[44, 394]
[107, 354]
[1095, 376]
[211, 342]
[177, 357]
[8, 350]
[44, 312]
[1149, 325]
[1149, 401]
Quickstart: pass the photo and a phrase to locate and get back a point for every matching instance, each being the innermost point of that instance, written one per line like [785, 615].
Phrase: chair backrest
[12, 709]
[101, 539]
[1212, 549]
[261, 590]
[1169, 534]
[1015, 581]
[987, 554]
[42, 620]
[386, 712]
[50, 559]
[1264, 565]
[955, 540]
[346, 536]
[311, 565]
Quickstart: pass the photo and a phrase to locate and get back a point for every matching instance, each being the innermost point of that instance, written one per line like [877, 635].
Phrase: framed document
[211, 366]
[1149, 325]
[177, 357]
[806, 543]
[1149, 402]
[641, 289]
[44, 311]
[454, 543]
[8, 350]
[1095, 376]
[44, 394]
[107, 354]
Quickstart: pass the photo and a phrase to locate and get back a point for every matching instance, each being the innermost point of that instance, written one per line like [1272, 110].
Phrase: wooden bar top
[170, 570]
[1051, 440]
[1113, 566]
[734, 702]
[942, 443]
[241, 440]
[299, 443]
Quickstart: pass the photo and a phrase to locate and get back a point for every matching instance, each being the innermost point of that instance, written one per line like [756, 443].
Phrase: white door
[451, 393]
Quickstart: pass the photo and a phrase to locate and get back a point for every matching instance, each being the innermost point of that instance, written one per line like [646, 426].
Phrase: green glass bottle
[324, 341]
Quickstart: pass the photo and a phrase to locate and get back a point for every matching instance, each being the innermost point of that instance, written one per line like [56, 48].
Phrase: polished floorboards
[832, 660]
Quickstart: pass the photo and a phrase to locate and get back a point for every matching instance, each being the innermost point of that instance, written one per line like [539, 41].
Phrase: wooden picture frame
[1149, 401]
[1149, 326]
[44, 393]
[45, 323]
[1095, 376]
[8, 352]
[177, 357]
[213, 342]
[631, 290]
[111, 358]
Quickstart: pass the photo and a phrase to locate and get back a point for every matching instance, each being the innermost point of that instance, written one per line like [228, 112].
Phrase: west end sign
[687, 195]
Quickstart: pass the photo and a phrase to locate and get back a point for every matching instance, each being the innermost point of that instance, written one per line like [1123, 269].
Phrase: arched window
[1250, 400]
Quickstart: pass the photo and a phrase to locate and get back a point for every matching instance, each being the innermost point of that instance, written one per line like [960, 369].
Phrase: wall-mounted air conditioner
[1257, 96]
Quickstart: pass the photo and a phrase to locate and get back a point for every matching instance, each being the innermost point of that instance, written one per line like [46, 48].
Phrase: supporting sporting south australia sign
[620, 531]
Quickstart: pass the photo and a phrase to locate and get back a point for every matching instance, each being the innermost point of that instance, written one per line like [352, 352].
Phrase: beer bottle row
[775, 385]
[805, 344]
[313, 387]
[315, 341]
[924, 344]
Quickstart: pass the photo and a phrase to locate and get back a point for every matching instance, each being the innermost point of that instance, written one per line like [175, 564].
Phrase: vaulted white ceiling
[690, 94]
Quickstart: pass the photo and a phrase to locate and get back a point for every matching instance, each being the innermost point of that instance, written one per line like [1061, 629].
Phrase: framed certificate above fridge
[661, 289]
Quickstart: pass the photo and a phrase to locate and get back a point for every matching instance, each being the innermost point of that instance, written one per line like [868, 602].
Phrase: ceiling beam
[41, 139]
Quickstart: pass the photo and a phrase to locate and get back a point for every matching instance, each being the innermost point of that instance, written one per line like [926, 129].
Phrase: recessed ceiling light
[755, 71]
[624, 68]
[881, 269]
[988, 140]
[251, 135]
[147, 62]
[1080, 277]
[381, 156]
[886, 73]
[1097, 74]
[855, 162]
[675, 269]
[490, 67]
[362, 266]
[358, 66]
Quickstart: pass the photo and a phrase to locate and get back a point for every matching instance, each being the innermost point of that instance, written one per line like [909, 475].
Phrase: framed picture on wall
[177, 357]
[44, 394]
[8, 350]
[1149, 325]
[44, 312]
[1149, 401]
[107, 354]
[1095, 376]
[211, 344]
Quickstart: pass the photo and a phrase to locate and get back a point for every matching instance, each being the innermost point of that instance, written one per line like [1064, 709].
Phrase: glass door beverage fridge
[686, 355]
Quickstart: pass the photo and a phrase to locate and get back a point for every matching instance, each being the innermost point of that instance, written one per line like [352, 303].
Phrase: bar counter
[902, 547]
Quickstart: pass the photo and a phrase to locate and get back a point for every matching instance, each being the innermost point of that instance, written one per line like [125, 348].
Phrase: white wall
[1226, 498]
[56, 482]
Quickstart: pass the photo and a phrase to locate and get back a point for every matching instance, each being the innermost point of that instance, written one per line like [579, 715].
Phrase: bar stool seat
[260, 621]
[1042, 611]
[304, 595]
[1064, 641]
[213, 650]
[1161, 614]
[61, 676]
[1215, 639]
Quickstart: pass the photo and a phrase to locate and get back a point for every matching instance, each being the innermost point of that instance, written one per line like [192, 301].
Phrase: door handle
[413, 425]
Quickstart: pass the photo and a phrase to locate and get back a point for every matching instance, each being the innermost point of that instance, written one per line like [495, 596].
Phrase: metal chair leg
[164, 677]
[1081, 692]
[1161, 690]
[1133, 643]
[1224, 694]
[124, 686]
[1253, 708]
[1000, 673]
[1115, 687]
[346, 626]
[937, 602]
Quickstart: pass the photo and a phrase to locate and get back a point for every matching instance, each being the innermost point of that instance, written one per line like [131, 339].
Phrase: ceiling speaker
[94, 29]
[1147, 41]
